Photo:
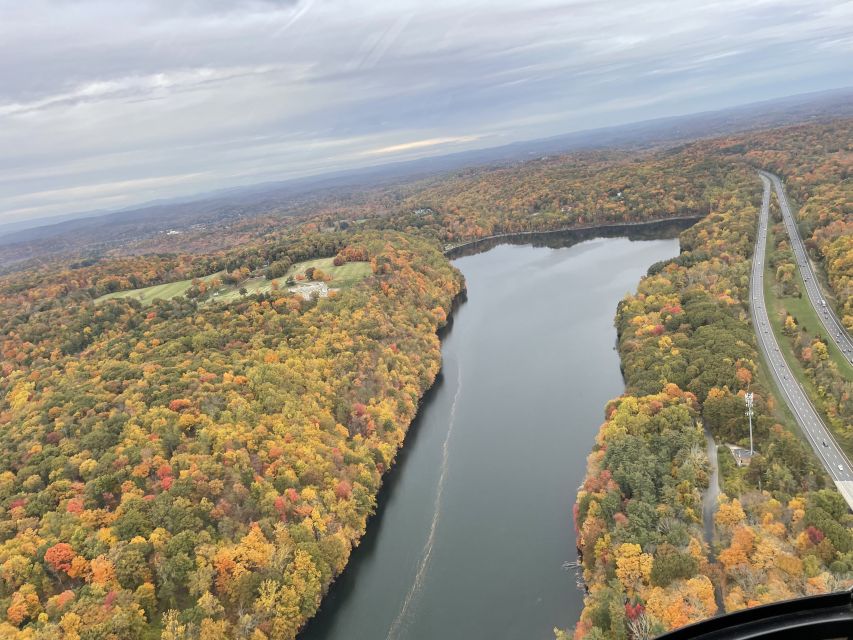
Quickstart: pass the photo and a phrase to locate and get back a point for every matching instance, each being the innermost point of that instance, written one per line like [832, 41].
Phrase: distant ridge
[238, 202]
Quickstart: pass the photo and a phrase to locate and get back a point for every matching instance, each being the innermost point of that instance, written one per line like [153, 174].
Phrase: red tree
[59, 557]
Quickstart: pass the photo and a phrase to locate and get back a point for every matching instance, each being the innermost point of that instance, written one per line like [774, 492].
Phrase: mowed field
[344, 276]
[166, 291]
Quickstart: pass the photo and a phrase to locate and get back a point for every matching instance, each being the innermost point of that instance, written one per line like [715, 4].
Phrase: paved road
[712, 493]
[828, 452]
[834, 329]
[709, 508]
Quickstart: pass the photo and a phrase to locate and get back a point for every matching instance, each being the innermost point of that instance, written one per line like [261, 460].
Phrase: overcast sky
[105, 104]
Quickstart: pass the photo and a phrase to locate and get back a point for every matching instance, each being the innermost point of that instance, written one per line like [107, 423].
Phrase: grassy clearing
[808, 320]
[167, 291]
[231, 292]
[343, 276]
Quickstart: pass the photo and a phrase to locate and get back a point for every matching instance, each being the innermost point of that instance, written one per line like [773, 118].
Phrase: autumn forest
[201, 462]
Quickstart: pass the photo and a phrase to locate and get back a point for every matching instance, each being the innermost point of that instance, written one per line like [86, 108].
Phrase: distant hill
[95, 231]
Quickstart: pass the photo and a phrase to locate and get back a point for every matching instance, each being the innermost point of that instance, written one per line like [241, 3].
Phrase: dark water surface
[474, 521]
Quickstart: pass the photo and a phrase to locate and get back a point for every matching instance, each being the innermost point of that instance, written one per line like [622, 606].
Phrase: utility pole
[749, 413]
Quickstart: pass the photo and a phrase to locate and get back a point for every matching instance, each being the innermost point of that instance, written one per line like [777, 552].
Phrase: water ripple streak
[397, 625]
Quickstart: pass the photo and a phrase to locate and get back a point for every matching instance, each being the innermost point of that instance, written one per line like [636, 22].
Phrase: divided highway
[828, 452]
[834, 329]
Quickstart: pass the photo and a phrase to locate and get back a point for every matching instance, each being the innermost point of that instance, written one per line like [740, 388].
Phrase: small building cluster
[320, 289]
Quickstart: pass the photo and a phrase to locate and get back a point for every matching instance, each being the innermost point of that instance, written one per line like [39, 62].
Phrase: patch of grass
[343, 276]
[808, 320]
[166, 291]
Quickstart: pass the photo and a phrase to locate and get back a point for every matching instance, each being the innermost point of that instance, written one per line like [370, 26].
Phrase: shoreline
[387, 476]
[480, 245]
[458, 250]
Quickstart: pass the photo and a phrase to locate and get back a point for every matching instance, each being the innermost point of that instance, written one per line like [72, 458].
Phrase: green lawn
[231, 292]
[147, 295]
[808, 320]
[344, 276]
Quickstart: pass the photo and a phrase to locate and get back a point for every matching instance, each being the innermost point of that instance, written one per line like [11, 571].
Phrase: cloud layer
[106, 104]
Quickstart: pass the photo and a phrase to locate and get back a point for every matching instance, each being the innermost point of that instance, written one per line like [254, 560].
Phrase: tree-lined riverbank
[528, 365]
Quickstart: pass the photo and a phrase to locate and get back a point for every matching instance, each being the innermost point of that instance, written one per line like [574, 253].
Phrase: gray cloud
[107, 104]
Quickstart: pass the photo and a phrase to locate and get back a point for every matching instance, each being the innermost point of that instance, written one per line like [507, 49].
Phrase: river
[474, 521]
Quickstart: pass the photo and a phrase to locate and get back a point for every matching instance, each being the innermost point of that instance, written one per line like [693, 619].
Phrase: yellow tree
[632, 566]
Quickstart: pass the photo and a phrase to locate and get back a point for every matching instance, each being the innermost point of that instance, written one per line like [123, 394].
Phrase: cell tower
[749, 413]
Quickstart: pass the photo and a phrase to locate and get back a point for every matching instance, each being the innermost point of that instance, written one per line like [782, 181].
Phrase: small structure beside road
[742, 456]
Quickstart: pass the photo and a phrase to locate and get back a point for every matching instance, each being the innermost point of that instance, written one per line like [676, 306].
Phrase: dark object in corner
[823, 617]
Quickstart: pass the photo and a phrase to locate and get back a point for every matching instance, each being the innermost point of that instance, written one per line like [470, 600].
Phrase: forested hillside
[220, 460]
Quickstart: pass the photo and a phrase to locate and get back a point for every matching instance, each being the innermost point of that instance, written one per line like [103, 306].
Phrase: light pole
[749, 413]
